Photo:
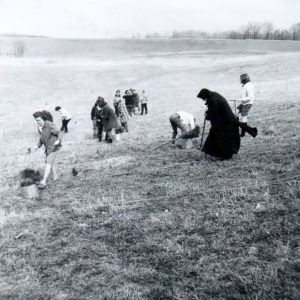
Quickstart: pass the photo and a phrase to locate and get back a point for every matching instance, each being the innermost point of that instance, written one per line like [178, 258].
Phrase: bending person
[186, 123]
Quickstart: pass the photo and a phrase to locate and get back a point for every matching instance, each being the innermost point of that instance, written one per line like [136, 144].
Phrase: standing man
[246, 99]
[50, 138]
[65, 117]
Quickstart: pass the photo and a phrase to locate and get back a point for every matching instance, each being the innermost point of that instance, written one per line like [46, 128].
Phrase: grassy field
[144, 223]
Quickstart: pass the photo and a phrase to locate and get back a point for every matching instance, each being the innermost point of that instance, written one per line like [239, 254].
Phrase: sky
[125, 18]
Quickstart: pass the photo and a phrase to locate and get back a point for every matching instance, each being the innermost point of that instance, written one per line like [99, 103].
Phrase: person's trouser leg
[125, 125]
[146, 109]
[55, 175]
[128, 107]
[66, 124]
[174, 119]
[50, 165]
[244, 121]
[95, 129]
[244, 110]
[109, 136]
[99, 133]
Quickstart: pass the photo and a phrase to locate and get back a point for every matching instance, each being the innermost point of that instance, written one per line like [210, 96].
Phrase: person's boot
[243, 130]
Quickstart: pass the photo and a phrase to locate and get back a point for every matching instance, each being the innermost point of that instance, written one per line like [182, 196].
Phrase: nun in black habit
[223, 139]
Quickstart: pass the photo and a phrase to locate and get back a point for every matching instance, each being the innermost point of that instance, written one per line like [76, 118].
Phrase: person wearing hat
[247, 99]
[223, 139]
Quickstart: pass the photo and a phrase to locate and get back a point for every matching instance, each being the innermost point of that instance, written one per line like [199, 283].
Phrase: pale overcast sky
[115, 18]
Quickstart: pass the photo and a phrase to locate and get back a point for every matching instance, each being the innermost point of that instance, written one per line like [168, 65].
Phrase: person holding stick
[247, 99]
[223, 139]
[50, 138]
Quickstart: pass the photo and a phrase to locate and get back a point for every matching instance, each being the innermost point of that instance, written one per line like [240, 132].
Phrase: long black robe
[223, 139]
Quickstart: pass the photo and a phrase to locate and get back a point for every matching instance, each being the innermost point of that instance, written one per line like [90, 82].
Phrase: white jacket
[247, 93]
[187, 119]
[65, 115]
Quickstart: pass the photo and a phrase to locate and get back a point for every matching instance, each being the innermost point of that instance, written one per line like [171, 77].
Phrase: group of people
[133, 101]
[105, 119]
[222, 141]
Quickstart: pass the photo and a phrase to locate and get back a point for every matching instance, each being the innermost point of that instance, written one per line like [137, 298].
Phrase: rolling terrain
[141, 222]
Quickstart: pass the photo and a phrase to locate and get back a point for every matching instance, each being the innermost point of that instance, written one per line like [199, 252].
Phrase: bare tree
[255, 30]
[295, 32]
[19, 48]
[267, 29]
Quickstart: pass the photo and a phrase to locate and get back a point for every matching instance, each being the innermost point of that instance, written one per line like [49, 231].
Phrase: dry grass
[137, 223]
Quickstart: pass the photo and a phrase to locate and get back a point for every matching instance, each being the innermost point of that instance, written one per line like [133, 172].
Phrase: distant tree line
[253, 30]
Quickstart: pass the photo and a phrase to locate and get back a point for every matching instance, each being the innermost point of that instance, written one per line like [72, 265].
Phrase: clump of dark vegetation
[29, 177]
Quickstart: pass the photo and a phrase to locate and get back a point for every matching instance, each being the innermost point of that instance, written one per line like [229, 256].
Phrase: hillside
[145, 223]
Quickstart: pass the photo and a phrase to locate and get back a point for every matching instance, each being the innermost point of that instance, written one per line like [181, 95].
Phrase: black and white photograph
[149, 149]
